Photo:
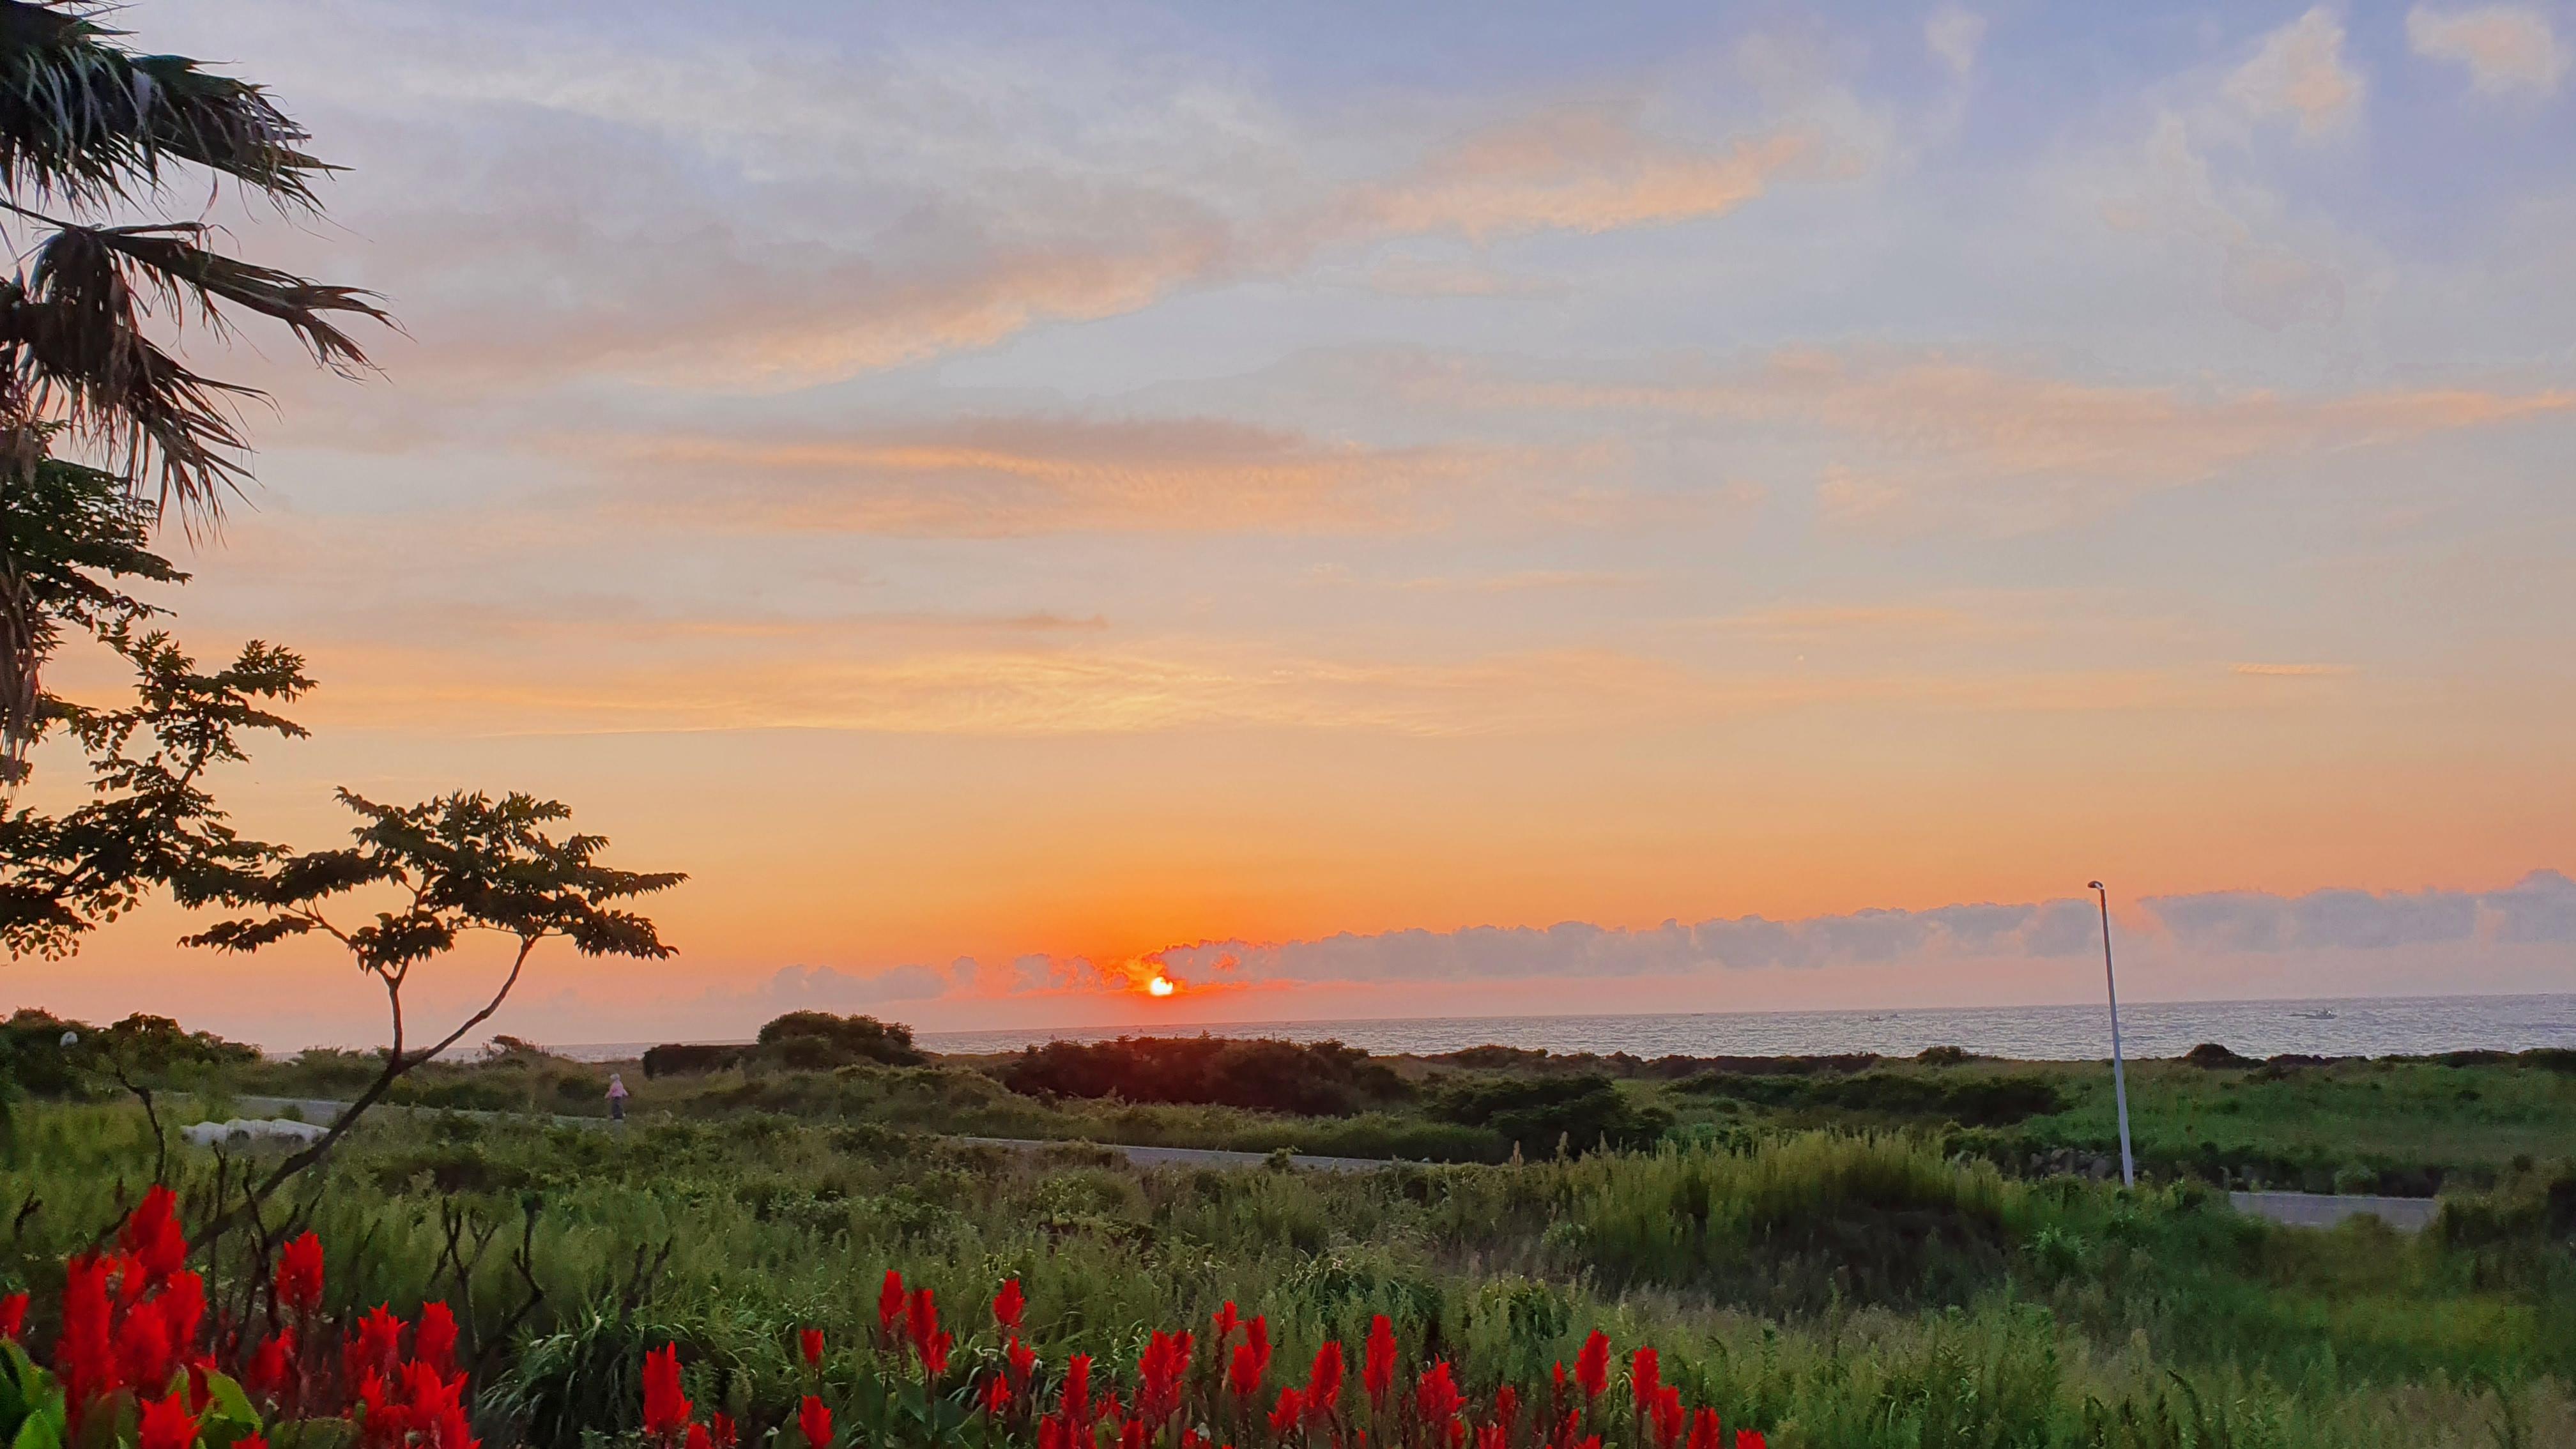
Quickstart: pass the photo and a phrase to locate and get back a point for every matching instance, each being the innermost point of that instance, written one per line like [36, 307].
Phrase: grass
[1855, 1289]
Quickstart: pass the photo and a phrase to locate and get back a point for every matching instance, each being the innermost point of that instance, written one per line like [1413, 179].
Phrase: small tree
[456, 865]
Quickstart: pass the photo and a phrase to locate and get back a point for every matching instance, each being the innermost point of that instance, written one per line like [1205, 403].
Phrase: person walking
[616, 1098]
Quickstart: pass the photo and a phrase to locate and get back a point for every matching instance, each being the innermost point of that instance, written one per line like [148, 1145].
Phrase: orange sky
[1038, 498]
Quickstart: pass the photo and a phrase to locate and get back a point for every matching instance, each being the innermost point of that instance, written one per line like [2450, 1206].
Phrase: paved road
[2324, 1210]
[2296, 1209]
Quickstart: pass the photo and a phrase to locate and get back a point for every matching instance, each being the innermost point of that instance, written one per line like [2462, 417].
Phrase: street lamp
[2119, 1078]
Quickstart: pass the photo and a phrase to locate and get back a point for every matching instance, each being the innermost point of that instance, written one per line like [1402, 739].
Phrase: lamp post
[2119, 1077]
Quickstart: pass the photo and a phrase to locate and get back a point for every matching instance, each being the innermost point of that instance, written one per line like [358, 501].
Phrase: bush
[1981, 1101]
[818, 1040]
[681, 1059]
[1582, 1112]
[1317, 1079]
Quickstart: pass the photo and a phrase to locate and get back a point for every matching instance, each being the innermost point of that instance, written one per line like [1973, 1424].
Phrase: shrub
[817, 1040]
[682, 1059]
[1312, 1079]
[1582, 1112]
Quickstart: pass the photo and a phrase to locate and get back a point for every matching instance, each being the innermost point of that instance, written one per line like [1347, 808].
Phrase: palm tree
[90, 131]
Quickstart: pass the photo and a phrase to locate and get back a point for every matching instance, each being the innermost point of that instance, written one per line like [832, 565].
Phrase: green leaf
[229, 1406]
[40, 1431]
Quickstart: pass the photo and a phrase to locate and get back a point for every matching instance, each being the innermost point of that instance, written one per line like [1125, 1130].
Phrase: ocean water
[2366, 1026]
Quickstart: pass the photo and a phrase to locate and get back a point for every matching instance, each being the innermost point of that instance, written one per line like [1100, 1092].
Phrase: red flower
[921, 1320]
[809, 1342]
[1377, 1371]
[450, 1429]
[299, 1274]
[1436, 1396]
[723, 1432]
[1559, 1371]
[1167, 1358]
[698, 1438]
[1704, 1431]
[1077, 1390]
[167, 1424]
[815, 1419]
[1592, 1365]
[666, 1409]
[1507, 1405]
[13, 1316]
[1243, 1376]
[151, 1235]
[1324, 1381]
[1749, 1439]
[1493, 1436]
[143, 1350]
[272, 1364]
[378, 1345]
[1669, 1416]
[1226, 1323]
[251, 1441]
[1008, 1305]
[1645, 1378]
[997, 1396]
[1022, 1359]
[433, 1341]
[1290, 1409]
[85, 1354]
[890, 1303]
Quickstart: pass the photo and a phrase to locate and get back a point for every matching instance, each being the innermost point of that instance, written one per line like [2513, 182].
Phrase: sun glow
[1161, 986]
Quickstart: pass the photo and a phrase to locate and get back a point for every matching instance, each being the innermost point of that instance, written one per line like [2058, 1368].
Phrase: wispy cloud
[2299, 73]
[2507, 49]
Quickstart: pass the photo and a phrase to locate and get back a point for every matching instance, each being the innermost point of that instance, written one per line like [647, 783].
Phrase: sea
[2324, 1026]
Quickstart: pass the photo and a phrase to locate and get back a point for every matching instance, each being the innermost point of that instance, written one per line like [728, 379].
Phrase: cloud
[1954, 34]
[1588, 169]
[2292, 671]
[1015, 476]
[2299, 72]
[1579, 949]
[2541, 907]
[2507, 48]
[2013, 448]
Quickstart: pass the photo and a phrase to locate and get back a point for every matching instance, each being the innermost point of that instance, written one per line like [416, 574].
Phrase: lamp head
[2092, 885]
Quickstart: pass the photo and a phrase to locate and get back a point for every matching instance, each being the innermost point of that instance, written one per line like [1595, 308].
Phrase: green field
[1828, 1248]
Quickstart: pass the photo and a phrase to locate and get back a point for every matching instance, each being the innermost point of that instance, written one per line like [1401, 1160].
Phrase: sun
[1161, 985]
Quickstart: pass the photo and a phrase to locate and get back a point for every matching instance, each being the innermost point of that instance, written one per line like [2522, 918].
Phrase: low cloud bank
[2539, 909]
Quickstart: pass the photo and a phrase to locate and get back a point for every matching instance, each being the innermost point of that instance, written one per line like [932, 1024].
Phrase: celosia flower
[1076, 1403]
[143, 1350]
[666, 1409]
[814, 1419]
[996, 1396]
[378, 1345]
[1226, 1323]
[921, 1322]
[1009, 1305]
[450, 1429]
[1507, 1405]
[1749, 1439]
[890, 1304]
[1166, 1359]
[1592, 1365]
[722, 1431]
[85, 1353]
[433, 1339]
[1669, 1417]
[1284, 1417]
[13, 1316]
[166, 1424]
[151, 1235]
[698, 1438]
[1022, 1359]
[1704, 1431]
[1645, 1378]
[1436, 1396]
[1324, 1381]
[1243, 1376]
[299, 1274]
[1377, 1370]
[251, 1441]
[271, 1367]
[809, 1342]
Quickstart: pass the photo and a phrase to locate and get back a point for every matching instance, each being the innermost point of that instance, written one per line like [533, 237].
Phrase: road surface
[2293, 1209]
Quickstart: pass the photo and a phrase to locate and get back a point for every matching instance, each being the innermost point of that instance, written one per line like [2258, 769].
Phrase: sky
[1437, 509]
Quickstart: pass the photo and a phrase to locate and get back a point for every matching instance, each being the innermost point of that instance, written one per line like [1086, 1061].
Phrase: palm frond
[73, 346]
[86, 120]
